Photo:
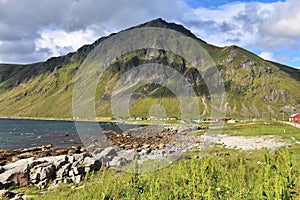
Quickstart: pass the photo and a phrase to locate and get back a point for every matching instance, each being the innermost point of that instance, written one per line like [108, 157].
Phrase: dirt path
[293, 124]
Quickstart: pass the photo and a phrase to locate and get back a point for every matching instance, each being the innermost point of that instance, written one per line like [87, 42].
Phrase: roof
[294, 115]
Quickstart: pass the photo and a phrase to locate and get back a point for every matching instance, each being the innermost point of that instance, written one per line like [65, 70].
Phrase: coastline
[100, 120]
[39, 131]
[37, 118]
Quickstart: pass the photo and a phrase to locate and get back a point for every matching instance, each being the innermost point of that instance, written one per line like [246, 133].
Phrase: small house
[173, 118]
[211, 119]
[294, 118]
[152, 118]
[231, 121]
[196, 121]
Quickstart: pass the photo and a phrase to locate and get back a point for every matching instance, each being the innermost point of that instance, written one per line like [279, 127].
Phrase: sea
[25, 133]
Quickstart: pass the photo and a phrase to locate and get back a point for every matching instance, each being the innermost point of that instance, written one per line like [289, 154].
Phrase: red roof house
[294, 118]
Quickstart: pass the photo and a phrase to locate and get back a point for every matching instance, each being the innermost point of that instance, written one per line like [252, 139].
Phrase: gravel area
[247, 143]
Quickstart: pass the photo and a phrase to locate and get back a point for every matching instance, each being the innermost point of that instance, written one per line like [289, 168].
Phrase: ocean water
[20, 133]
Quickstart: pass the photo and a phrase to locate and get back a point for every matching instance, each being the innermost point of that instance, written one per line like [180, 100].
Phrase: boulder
[16, 174]
[79, 170]
[98, 151]
[128, 154]
[118, 162]
[92, 164]
[107, 153]
[42, 173]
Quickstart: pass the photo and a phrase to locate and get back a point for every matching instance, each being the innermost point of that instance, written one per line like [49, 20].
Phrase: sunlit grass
[256, 175]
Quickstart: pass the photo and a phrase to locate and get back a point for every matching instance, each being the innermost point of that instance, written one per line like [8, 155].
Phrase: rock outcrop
[30, 166]
[40, 171]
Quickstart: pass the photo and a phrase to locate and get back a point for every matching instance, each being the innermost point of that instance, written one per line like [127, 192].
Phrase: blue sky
[265, 27]
[30, 31]
[216, 3]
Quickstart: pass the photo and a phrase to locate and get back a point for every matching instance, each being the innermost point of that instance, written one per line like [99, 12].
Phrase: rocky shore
[46, 166]
[41, 165]
[7, 156]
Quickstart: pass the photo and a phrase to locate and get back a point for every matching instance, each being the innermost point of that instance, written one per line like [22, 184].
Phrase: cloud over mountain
[35, 30]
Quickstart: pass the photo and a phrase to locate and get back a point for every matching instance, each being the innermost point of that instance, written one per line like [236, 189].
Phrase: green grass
[262, 128]
[260, 175]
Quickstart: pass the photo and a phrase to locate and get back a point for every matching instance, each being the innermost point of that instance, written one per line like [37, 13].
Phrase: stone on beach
[40, 171]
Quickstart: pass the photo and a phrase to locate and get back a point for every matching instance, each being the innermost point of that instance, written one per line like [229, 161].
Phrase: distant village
[208, 119]
[295, 118]
[292, 118]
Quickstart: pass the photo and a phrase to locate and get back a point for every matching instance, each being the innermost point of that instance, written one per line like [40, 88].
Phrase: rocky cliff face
[255, 88]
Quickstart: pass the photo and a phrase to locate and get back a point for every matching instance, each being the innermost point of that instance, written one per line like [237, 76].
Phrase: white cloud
[29, 21]
[265, 27]
[277, 57]
[60, 42]
[267, 55]
[246, 22]
[270, 28]
[223, 13]
[221, 26]
[284, 21]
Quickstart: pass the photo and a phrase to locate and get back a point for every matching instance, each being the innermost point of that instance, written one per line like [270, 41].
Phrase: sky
[34, 30]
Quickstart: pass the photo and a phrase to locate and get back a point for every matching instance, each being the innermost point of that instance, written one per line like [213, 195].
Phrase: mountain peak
[161, 23]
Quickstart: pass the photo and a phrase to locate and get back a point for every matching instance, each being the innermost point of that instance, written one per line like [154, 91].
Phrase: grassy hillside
[255, 88]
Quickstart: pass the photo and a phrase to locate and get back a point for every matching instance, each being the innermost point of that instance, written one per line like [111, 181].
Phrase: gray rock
[76, 158]
[128, 154]
[118, 162]
[92, 163]
[98, 151]
[71, 159]
[48, 172]
[63, 171]
[59, 161]
[42, 172]
[107, 153]
[145, 151]
[16, 173]
[78, 178]
[77, 171]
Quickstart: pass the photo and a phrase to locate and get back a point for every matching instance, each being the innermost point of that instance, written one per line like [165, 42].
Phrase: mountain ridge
[44, 89]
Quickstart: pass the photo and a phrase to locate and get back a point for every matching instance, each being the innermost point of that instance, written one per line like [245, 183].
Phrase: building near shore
[295, 118]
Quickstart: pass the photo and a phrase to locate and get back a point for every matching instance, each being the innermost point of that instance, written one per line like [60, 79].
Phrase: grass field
[223, 174]
[260, 128]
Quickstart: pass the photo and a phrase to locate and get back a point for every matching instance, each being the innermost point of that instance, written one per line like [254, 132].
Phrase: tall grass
[258, 176]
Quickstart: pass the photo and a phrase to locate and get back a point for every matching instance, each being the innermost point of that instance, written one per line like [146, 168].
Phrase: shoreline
[38, 118]
[86, 120]
[70, 138]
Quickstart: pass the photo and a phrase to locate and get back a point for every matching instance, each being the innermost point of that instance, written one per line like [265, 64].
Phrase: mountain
[255, 88]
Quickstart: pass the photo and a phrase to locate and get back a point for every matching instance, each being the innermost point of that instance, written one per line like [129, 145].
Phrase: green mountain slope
[255, 88]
